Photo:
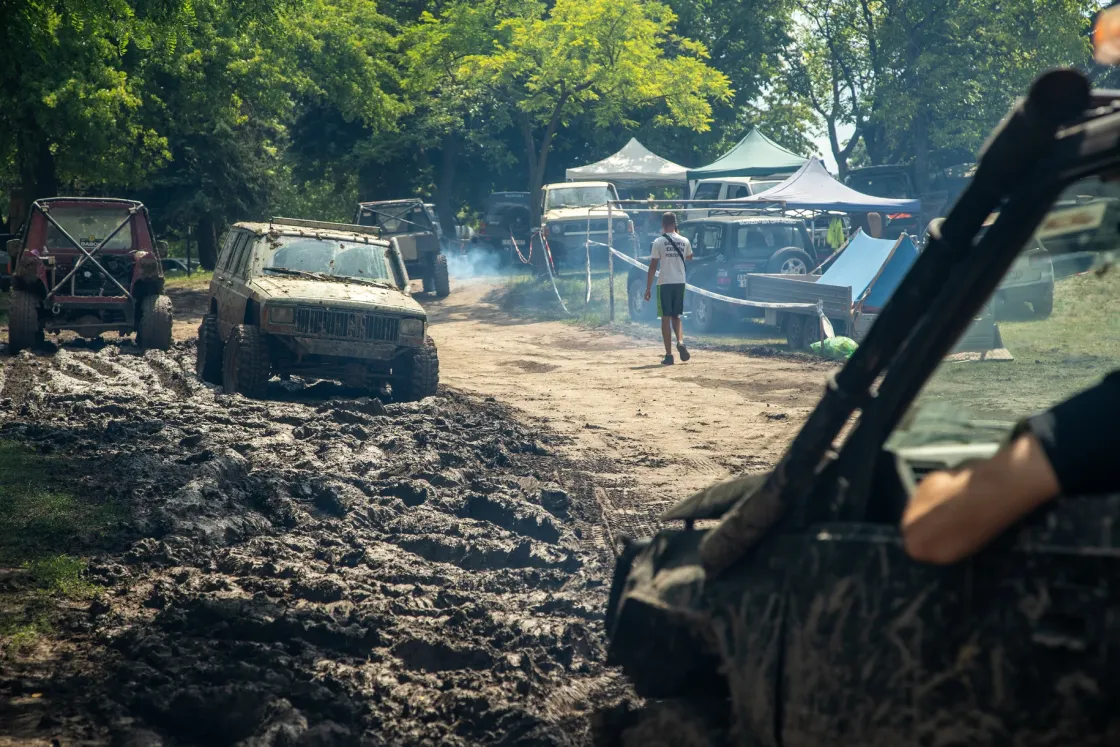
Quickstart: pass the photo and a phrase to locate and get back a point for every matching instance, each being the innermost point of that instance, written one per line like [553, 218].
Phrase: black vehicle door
[707, 248]
[1009, 647]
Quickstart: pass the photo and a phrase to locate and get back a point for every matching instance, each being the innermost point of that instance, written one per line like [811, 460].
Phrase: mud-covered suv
[315, 300]
[419, 237]
[89, 265]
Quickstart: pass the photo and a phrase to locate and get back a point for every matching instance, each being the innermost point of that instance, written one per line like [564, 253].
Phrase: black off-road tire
[640, 309]
[24, 329]
[705, 313]
[441, 281]
[246, 367]
[208, 363]
[154, 331]
[419, 376]
[789, 261]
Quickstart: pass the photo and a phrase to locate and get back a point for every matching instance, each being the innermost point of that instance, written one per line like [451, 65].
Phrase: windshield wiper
[298, 273]
[328, 277]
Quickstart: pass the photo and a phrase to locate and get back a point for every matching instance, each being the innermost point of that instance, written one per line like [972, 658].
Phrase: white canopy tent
[634, 165]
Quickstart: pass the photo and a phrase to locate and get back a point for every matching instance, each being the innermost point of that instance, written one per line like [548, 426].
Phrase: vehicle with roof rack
[89, 265]
[413, 224]
[316, 300]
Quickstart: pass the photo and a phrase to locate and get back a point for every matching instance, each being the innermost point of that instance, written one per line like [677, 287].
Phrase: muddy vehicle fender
[147, 274]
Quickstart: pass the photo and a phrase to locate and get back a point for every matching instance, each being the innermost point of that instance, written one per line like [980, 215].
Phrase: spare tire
[789, 261]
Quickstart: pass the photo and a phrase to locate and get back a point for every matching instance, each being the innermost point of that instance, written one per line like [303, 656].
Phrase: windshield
[325, 259]
[1057, 312]
[89, 226]
[569, 197]
[396, 220]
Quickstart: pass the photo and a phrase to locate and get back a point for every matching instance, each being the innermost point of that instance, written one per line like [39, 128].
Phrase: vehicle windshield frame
[267, 249]
[904, 379]
[611, 193]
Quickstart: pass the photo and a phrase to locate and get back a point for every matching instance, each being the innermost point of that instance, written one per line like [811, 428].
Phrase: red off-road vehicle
[91, 265]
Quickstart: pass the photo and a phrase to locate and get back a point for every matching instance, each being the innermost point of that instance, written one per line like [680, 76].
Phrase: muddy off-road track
[319, 569]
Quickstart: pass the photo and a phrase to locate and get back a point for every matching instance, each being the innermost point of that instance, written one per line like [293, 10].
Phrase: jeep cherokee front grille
[349, 325]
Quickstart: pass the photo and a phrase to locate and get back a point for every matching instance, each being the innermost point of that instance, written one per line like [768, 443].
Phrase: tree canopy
[217, 110]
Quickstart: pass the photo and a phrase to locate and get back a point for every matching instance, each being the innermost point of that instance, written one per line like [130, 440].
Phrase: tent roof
[813, 188]
[872, 268]
[754, 155]
[634, 163]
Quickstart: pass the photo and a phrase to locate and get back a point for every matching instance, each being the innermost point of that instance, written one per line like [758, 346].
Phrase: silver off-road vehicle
[315, 300]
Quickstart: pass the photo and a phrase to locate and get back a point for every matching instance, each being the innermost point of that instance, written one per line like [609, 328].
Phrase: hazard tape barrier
[521, 256]
[548, 264]
[726, 299]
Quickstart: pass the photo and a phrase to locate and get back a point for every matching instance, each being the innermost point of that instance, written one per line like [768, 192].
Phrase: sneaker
[667, 360]
[684, 353]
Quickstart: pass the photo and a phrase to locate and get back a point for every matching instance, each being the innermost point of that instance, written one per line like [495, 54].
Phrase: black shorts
[670, 299]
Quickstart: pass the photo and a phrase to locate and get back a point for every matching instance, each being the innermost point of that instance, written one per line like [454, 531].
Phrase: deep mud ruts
[316, 569]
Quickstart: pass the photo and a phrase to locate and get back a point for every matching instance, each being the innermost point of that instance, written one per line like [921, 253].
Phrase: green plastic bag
[835, 347]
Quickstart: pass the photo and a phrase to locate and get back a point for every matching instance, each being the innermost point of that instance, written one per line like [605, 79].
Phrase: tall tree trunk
[207, 242]
[447, 185]
[921, 151]
[37, 174]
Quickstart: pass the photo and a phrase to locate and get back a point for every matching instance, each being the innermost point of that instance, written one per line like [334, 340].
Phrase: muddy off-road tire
[208, 364]
[24, 330]
[440, 279]
[246, 367]
[154, 332]
[420, 375]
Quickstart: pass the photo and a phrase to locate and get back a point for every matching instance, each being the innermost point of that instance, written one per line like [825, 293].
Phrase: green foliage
[217, 110]
[925, 79]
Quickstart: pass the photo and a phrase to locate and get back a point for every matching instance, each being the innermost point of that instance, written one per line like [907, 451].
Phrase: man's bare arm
[954, 514]
[650, 276]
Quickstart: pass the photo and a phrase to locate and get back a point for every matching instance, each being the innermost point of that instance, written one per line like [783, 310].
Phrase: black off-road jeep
[90, 265]
[799, 619]
[416, 228]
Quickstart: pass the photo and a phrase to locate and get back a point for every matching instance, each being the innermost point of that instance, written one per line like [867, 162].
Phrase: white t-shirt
[669, 264]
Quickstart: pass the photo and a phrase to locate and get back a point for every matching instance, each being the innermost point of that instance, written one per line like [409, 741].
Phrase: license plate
[743, 281]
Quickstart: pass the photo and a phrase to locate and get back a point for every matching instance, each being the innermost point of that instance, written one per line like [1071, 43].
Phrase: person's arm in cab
[954, 514]
[1068, 449]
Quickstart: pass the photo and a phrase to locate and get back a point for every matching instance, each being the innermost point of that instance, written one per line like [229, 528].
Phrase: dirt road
[319, 568]
[661, 432]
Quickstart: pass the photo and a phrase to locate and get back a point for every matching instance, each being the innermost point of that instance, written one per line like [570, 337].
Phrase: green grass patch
[197, 280]
[37, 518]
[1054, 357]
[40, 526]
[528, 297]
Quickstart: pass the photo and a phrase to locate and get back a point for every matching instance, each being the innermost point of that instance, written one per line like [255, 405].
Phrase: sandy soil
[662, 432]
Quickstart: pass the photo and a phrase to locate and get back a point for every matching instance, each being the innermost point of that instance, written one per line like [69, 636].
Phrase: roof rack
[325, 226]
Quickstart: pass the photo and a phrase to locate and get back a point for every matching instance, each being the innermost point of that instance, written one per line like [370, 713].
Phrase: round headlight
[412, 327]
[281, 314]
[556, 228]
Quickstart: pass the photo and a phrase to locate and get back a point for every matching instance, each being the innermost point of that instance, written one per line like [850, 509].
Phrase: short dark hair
[669, 219]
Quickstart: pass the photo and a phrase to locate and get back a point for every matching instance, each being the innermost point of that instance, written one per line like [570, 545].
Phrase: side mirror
[13, 247]
[161, 249]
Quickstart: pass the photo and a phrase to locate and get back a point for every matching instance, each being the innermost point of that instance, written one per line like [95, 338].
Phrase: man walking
[670, 251]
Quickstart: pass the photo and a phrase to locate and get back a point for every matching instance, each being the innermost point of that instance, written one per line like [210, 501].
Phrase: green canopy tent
[755, 155]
